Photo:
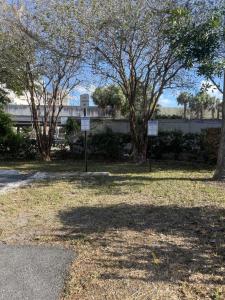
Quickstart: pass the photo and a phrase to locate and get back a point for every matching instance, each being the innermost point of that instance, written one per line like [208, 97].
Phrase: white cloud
[82, 89]
[165, 101]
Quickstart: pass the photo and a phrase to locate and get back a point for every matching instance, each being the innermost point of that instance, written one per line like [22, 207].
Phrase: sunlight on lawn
[137, 235]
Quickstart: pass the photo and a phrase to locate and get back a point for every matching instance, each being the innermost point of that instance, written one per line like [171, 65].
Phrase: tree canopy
[46, 56]
[205, 49]
[110, 96]
[129, 45]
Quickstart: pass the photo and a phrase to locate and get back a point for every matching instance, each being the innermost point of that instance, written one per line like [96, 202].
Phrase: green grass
[137, 235]
[116, 167]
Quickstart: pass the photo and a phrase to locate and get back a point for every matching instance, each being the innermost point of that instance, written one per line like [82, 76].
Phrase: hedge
[174, 145]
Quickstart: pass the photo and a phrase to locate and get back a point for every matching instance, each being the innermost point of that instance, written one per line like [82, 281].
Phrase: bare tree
[129, 47]
[50, 62]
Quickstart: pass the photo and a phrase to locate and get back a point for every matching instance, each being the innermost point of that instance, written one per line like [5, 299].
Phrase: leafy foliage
[15, 145]
[193, 39]
[110, 96]
[167, 145]
[108, 145]
[130, 47]
[4, 99]
[71, 130]
[184, 99]
[71, 127]
[199, 103]
[5, 125]
[44, 57]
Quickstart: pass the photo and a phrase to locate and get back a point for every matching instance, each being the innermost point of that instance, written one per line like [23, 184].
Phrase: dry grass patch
[136, 235]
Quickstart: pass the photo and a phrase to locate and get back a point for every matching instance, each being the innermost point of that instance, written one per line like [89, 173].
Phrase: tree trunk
[218, 113]
[185, 111]
[140, 151]
[198, 114]
[45, 156]
[202, 113]
[220, 168]
[139, 139]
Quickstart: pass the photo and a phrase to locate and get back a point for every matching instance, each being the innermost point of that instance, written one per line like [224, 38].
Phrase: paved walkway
[7, 177]
[11, 179]
[32, 272]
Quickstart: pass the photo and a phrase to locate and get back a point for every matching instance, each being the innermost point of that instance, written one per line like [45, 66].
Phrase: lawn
[136, 235]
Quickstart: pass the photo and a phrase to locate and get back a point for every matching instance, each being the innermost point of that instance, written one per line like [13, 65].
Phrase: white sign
[153, 128]
[85, 124]
[84, 101]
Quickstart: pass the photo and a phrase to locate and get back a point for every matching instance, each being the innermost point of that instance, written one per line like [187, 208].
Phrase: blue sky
[168, 99]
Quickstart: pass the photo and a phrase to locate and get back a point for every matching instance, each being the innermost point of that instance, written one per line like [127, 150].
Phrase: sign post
[153, 129]
[85, 124]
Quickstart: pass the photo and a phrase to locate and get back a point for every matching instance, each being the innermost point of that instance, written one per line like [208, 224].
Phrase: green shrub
[18, 147]
[6, 126]
[176, 143]
[108, 145]
[15, 145]
[173, 145]
[159, 145]
[71, 130]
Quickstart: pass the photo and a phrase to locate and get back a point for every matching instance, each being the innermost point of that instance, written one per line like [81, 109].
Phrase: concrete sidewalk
[12, 179]
[33, 272]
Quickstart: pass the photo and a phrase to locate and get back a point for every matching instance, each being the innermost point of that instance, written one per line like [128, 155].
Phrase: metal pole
[85, 143]
[150, 153]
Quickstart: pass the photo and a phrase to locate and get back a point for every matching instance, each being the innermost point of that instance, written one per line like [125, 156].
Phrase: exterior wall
[120, 126]
[186, 126]
[22, 116]
[67, 111]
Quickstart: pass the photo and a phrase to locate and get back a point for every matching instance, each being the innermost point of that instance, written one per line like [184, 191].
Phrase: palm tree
[200, 102]
[213, 106]
[184, 99]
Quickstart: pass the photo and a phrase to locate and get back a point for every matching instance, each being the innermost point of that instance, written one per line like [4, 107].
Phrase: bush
[108, 145]
[15, 145]
[175, 144]
[104, 145]
[172, 145]
[192, 146]
[19, 147]
[71, 130]
[6, 126]
[159, 145]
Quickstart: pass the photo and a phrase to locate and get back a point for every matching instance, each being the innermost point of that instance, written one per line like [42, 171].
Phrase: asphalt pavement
[33, 272]
[11, 178]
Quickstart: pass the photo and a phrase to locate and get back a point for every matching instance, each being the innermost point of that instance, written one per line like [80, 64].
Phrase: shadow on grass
[115, 184]
[103, 166]
[201, 231]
